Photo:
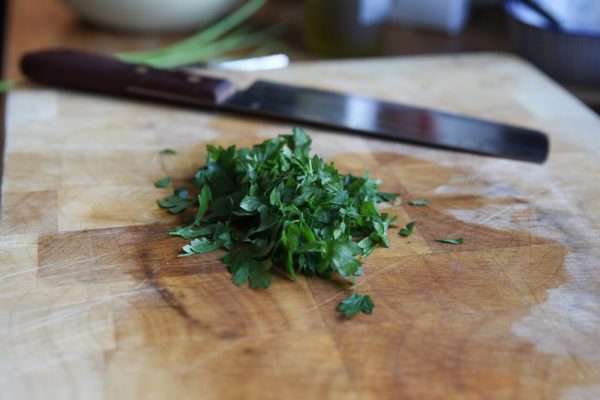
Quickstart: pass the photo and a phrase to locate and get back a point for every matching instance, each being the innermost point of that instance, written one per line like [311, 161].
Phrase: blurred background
[561, 37]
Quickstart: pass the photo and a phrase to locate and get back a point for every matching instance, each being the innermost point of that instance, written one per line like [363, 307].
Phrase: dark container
[567, 54]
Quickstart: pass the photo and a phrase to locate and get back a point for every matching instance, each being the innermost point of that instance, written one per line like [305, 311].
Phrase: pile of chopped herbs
[273, 206]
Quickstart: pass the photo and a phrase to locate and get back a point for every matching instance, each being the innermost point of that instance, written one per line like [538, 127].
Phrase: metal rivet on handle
[141, 69]
[193, 78]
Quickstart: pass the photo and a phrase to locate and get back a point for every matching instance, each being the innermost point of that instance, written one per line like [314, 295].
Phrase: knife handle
[108, 75]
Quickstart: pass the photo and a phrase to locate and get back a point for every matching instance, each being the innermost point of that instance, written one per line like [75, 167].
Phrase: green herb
[5, 86]
[351, 305]
[168, 152]
[177, 202]
[199, 246]
[203, 201]
[162, 183]
[246, 268]
[217, 41]
[275, 206]
[451, 240]
[419, 202]
[408, 230]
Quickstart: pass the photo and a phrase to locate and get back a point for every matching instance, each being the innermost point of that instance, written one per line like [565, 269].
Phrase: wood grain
[95, 304]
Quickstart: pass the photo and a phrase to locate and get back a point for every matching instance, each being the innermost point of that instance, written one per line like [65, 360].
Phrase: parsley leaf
[419, 202]
[450, 240]
[340, 256]
[168, 152]
[408, 230]
[177, 202]
[199, 246]
[355, 303]
[163, 183]
[203, 201]
[250, 203]
[244, 268]
[381, 226]
[190, 232]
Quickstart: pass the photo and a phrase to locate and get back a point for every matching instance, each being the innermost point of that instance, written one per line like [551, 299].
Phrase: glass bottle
[345, 28]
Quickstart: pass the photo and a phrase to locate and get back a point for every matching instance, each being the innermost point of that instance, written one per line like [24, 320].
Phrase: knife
[363, 115]
[260, 63]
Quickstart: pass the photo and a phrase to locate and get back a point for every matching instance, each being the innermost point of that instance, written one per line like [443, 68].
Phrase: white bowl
[151, 15]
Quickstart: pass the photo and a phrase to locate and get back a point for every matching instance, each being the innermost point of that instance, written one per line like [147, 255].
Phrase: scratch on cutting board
[581, 393]
[567, 322]
[65, 312]
[40, 365]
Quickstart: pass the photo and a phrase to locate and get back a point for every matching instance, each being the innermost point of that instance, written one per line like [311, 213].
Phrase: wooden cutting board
[95, 305]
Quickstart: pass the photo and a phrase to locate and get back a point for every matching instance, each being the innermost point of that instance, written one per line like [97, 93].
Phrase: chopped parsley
[408, 230]
[450, 240]
[177, 202]
[419, 202]
[163, 183]
[275, 206]
[355, 303]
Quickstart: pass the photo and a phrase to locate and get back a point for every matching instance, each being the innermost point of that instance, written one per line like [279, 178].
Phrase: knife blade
[259, 63]
[362, 115]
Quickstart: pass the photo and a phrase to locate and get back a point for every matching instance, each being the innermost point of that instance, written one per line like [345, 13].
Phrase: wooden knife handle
[108, 75]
